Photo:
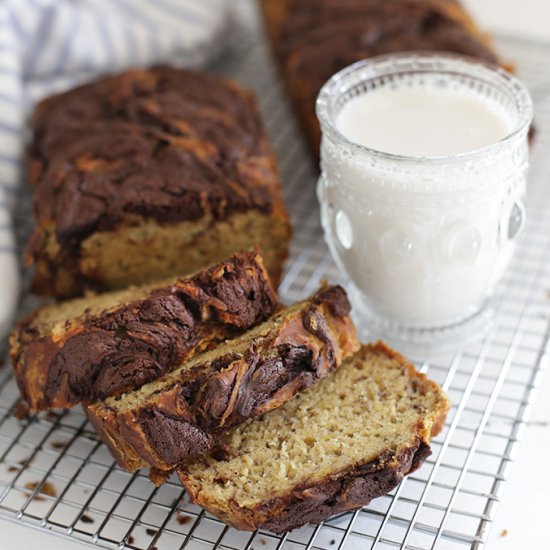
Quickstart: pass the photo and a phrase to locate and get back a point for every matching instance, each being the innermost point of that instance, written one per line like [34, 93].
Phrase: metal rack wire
[56, 475]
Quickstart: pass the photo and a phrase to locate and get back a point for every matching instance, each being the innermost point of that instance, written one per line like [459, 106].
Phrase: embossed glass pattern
[423, 240]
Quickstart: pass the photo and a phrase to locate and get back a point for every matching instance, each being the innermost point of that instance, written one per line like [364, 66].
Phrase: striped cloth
[50, 45]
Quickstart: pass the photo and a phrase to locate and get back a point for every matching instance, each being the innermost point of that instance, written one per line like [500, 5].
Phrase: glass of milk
[423, 171]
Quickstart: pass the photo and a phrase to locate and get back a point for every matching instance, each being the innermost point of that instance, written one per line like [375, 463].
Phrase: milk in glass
[424, 164]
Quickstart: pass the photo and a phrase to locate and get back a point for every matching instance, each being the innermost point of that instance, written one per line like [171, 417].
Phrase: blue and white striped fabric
[51, 45]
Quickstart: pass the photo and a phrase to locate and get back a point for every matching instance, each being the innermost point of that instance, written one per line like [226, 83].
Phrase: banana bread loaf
[150, 174]
[179, 416]
[313, 39]
[91, 347]
[348, 439]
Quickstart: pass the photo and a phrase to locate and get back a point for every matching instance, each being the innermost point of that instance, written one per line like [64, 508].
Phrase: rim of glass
[448, 64]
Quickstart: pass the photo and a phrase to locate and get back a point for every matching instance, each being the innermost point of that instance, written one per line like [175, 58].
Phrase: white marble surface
[525, 505]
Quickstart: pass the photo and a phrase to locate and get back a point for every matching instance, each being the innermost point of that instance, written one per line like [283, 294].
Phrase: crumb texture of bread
[182, 415]
[92, 347]
[348, 439]
[314, 39]
[147, 174]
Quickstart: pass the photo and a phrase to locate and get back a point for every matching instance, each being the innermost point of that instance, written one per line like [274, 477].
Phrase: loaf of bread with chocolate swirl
[149, 174]
[313, 39]
[181, 415]
[88, 348]
[348, 439]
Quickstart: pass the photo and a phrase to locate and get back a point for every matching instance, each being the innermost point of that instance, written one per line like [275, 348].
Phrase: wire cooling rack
[56, 475]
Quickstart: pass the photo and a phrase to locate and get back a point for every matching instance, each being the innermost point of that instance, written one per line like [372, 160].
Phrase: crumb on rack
[47, 488]
[158, 477]
[13, 469]
[59, 445]
[504, 533]
[20, 410]
[131, 539]
[84, 518]
[182, 519]
[151, 532]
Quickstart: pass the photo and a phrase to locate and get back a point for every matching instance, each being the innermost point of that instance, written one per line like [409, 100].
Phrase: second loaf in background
[314, 39]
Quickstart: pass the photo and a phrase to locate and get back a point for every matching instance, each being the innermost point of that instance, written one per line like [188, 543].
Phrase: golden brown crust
[429, 385]
[115, 350]
[171, 423]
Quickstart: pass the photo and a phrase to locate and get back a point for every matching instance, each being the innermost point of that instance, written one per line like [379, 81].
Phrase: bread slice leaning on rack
[348, 439]
[180, 416]
[92, 347]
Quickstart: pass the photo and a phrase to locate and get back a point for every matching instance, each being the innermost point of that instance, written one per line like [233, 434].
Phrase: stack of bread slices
[272, 417]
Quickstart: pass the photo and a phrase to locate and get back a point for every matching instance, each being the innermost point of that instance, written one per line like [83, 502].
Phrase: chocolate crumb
[332, 542]
[504, 533]
[151, 532]
[13, 469]
[182, 520]
[25, 461]
[20, 410]
[59, 445]
[152, 548]
[131, 540]
[263, 542]
[158, 477]
[86, 519]
[46, 488]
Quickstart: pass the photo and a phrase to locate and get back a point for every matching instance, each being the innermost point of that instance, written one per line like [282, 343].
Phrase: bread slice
[101, 345]
[179, 416]
[148, 174]
[335, 447]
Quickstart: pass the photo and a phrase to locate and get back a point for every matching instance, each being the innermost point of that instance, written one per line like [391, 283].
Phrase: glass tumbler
[423, 240]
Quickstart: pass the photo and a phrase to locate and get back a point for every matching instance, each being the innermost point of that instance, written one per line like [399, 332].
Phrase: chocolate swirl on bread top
[116, 163]
[90, 348]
